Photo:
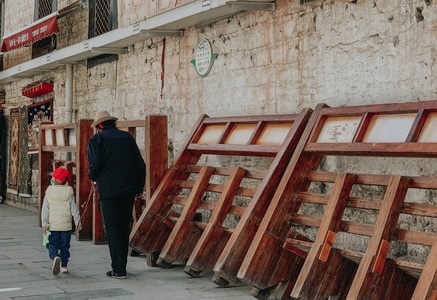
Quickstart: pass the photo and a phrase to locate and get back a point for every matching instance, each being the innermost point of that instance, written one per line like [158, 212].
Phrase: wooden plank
[415, 237]
[327, 245]
[156, 156]
[228, 149]
[179, 242]
[214, 237]
[83, 183]
[44, 159]
[232, 256]
[381, 256]
[300, 248]
[266, 238]
[412, 269]
[357, 228]
[427, 285]
[330, 223]
[384, 228]
[392, 283]
[99, 235]
[150, 233]
[376, 149]
[417, 127]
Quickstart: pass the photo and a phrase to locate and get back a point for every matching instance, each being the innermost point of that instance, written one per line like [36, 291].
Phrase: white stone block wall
[336, 52]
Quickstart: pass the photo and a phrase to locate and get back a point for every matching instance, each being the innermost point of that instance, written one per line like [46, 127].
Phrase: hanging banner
[30, 34]
[37, 113]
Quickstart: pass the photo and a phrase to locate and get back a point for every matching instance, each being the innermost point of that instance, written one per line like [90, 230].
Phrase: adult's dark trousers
[117, 216]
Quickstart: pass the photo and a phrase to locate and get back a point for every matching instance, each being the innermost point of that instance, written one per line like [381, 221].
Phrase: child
[59, 207]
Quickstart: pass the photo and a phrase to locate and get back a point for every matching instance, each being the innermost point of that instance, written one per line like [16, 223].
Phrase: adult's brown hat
[101, 117]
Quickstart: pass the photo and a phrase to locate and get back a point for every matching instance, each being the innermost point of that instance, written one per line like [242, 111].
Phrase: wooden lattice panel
[390, 130]
[189, 215]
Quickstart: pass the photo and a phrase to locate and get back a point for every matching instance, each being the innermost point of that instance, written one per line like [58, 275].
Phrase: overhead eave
[115, 41]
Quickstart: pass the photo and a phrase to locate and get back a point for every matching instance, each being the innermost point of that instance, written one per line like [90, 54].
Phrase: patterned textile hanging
[19, 179]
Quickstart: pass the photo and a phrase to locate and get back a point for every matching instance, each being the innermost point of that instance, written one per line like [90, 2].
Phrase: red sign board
[37, 31]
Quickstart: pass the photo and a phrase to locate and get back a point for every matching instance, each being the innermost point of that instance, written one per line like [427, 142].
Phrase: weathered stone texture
[336, 52]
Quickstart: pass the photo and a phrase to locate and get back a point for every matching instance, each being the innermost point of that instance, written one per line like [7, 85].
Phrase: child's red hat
[61, 174]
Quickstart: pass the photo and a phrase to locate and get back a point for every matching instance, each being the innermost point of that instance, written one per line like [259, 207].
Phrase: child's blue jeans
[59, 245]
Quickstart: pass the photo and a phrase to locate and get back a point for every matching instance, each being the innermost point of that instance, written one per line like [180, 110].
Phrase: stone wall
[336, 52]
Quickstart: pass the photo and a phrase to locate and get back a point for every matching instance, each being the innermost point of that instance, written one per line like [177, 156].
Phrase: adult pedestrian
[118, 169]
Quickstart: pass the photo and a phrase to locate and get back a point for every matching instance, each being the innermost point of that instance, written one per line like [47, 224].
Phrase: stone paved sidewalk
[25, 270]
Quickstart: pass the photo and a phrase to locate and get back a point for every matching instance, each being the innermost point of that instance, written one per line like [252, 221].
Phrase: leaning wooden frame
[316, 266]
[192, 214]
[72, 139]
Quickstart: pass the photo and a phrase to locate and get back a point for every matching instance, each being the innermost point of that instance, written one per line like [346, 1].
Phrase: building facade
[137, 58]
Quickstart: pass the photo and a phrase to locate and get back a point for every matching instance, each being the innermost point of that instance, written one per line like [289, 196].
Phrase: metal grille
[44, 8]
[102, 20]
[47, 44]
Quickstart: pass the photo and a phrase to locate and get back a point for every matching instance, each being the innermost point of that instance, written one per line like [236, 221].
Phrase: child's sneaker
[64, 269]
[56, 265]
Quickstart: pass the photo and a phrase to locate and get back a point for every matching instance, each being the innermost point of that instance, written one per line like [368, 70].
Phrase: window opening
[103, 16]
[47, 44]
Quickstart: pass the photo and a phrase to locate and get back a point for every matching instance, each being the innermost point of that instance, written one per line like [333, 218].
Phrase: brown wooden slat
[312, 198]
[223, 171]
[413, 269]
[424, 182]
[321, 248]
[178, 200]
[427, 285]
[321, 176]
[201, 225]
[207, 205]
[285, 118]
[357, 228]
[59, 149]
[178, 238]
[417, 127]
[214, 237]
[303, 245]
[237, 210]
[415, 237]
[383, 229]
[354, 256]
[225, 149]
[420, 209]
[265, 239]
[373, 204]
[150, 233]
[247, 192]
[297, 247]
[427, 150]
[298, 219]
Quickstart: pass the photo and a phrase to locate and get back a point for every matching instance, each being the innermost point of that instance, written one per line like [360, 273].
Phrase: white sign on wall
[204, 58]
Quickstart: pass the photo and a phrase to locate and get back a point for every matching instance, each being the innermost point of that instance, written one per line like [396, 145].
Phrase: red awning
[30, 34]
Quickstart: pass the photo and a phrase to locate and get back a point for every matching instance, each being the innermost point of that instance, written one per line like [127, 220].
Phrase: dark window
[45, 8]
[102, 19]
[46, 45]
[103, 16]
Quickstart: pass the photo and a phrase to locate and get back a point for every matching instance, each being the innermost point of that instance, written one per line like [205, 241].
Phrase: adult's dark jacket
[115, 163]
